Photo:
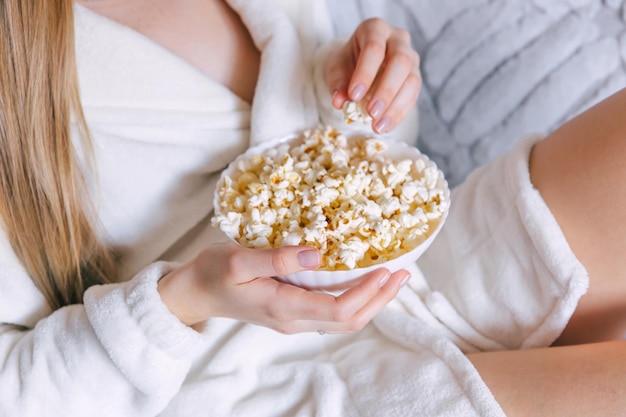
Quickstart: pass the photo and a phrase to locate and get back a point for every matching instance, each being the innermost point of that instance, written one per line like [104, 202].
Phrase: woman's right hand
[225, 280]
[379, 64]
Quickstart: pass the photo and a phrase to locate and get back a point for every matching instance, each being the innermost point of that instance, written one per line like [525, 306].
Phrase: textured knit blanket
[495, 70]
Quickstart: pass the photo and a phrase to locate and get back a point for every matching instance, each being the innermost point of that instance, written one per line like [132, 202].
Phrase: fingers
[339, 69]
[238, 283]
[369, 310]
[397, 88]
[248, 264]
[399, 106]
[303, 304]
[379, 65]
[296, 310]
[370, 51]
[351, 71]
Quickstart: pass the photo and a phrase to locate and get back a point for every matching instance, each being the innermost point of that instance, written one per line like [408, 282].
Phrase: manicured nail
[334, 100]
[377, 109]
[358, 92]
[309, 258]
[384, 280]
[383, 124]
[405, 280]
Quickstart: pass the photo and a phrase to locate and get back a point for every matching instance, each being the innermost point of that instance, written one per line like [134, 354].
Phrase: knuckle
[415, 58]
[414, 81]
[234, 261]
[375, 23]
[341, 314]
[403, 34]
[279, 262]
[276, 313]
[357, 324]
[375, 47]
[404, 59]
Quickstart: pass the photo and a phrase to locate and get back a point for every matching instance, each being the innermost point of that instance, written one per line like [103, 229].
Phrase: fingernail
[382, 125]
[377, 109]
[358, 92]
[333, 99]
[309, 258]
[384, 280]
[405, 280]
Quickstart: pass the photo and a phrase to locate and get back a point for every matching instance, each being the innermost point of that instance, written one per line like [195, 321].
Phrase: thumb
[338, 82]
[284, 260]
[338, 74]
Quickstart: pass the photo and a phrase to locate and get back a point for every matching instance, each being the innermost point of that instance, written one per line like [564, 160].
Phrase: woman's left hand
[377, 64]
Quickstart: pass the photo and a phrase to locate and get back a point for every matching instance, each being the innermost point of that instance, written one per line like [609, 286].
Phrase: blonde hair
[42, 190]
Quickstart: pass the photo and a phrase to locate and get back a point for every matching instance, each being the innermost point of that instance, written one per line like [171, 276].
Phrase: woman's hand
[377, 64]
[229, 281]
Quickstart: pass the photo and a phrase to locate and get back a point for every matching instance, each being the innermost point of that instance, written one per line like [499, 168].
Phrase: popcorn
[356, 112]
[340, 195]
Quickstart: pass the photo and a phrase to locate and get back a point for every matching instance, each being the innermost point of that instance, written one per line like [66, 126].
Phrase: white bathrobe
[162, 133]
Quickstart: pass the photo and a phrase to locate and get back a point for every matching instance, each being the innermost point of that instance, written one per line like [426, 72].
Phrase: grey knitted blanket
[495, 70]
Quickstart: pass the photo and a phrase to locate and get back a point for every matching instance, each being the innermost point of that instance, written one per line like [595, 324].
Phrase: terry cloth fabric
[162, 132]
[502, 250]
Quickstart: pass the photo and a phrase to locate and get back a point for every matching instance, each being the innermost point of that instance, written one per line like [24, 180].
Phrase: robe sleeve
[120, 353]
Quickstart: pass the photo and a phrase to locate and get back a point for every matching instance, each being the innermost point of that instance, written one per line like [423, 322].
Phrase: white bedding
[496, 70]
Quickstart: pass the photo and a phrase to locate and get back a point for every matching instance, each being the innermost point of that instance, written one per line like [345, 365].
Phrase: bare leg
[580, 171]
[570, 381]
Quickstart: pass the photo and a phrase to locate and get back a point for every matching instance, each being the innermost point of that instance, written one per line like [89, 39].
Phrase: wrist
[179, 293]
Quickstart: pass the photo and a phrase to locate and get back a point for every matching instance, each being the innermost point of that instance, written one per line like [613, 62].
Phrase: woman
[116, 301]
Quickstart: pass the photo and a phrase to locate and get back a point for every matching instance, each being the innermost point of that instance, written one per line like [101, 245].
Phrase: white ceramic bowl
[338, 279]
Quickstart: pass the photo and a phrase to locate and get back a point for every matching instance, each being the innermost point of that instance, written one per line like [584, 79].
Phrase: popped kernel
[356, 112]
[340, 195]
